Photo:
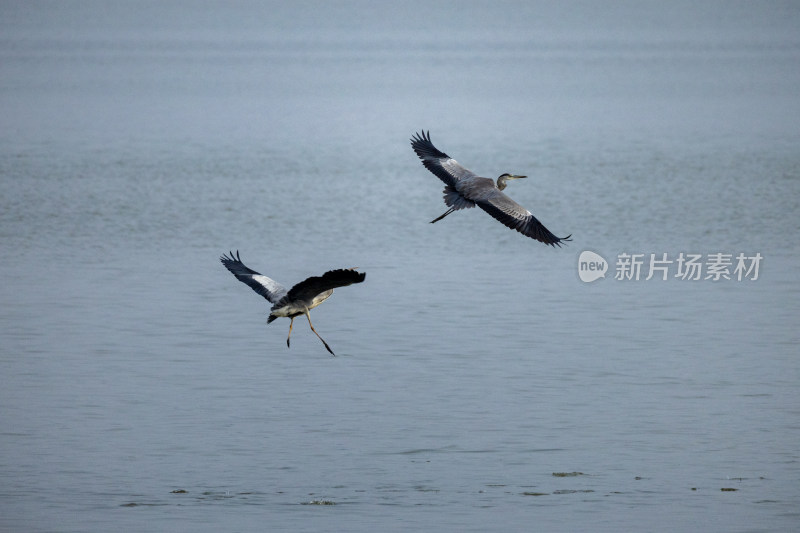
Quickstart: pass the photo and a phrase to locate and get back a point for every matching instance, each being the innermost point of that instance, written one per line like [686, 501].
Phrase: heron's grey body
[298, 300]
[464, 189]
[293, 308]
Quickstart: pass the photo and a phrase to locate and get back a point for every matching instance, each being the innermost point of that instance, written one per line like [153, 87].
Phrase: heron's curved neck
[501, 182]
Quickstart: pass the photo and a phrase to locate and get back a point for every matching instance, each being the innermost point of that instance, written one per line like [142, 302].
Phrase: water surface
[141, 388]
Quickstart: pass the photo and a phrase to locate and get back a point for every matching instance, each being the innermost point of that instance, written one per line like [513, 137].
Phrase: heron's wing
[513, 215]
[442, 165]
[307, 289]
[266, 287]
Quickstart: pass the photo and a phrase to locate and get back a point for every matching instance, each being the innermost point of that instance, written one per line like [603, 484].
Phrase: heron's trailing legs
[437, 219]
[291, 323]
[308, 316]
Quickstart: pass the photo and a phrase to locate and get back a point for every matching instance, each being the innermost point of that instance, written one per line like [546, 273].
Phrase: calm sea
[479, 383]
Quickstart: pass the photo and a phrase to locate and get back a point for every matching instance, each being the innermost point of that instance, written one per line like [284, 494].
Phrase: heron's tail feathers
[271, 318]
[452, 198]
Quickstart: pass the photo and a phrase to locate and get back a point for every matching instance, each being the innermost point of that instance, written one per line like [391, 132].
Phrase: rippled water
[478, 384]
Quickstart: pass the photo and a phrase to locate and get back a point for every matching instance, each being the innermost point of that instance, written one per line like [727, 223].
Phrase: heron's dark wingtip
[430, 155]
[561, 240]
[358, 278]
[421, 136]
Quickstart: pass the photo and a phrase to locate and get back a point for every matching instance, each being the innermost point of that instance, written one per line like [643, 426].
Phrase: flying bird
[463, 188]
[298, 300]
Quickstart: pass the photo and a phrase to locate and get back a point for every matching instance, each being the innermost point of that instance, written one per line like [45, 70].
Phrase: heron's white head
[501, 181]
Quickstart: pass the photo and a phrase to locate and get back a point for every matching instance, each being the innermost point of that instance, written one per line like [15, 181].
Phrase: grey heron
[298, 300]
[463, 188]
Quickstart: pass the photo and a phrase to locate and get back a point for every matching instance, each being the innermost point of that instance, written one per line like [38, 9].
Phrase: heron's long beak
[515, 177]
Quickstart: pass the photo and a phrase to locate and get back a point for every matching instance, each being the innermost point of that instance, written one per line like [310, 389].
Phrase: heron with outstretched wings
[298, 300]
[463, 188]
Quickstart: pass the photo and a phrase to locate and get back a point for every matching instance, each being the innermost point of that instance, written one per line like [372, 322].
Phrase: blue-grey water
[140, 388]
